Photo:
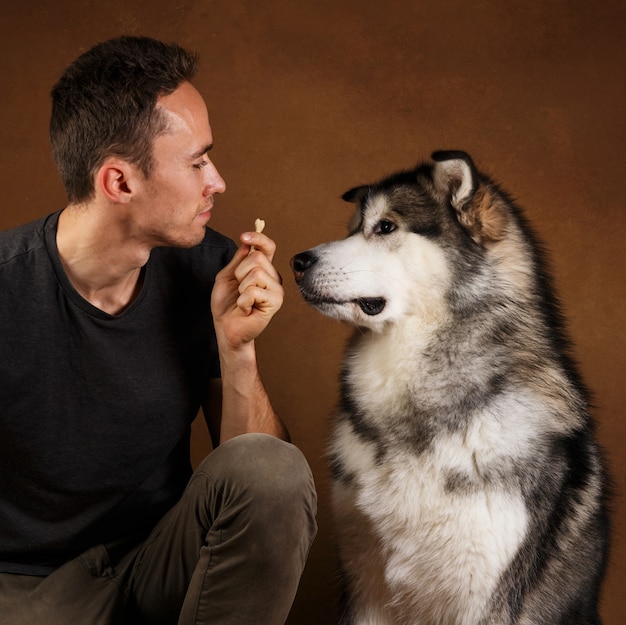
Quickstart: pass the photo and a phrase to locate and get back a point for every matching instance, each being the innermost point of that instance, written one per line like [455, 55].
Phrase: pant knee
[272, 474]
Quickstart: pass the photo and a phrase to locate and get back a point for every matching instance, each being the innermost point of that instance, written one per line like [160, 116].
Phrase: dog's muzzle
[302, 262]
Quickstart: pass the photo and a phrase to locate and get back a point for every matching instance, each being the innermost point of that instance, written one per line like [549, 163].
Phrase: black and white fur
[468, 488]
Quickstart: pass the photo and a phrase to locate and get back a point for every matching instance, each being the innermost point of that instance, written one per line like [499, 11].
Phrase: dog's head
[412, 236]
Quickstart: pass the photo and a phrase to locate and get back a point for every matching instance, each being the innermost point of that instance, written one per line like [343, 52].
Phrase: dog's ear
[355, 195]
[478, 209]
[455, 177]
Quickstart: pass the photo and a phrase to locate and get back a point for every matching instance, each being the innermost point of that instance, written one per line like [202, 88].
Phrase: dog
[467, 484]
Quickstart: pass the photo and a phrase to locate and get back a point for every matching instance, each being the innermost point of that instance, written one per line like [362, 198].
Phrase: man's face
[178, 194]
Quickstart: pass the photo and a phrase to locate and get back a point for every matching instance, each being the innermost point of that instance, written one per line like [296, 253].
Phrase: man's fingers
[259, 242]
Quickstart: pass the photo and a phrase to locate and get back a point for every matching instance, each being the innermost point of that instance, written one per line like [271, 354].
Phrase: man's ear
[116, 179]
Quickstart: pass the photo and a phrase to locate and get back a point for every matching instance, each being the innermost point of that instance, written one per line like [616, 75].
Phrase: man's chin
[190, 239]
[197, 239]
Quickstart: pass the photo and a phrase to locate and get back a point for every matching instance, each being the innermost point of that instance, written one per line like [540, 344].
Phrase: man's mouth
[206, 213]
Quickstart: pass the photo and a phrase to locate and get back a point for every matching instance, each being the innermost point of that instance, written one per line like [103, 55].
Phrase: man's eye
[201, 164]
[384, 227]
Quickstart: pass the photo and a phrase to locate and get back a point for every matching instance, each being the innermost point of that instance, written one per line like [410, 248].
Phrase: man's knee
[270, 474]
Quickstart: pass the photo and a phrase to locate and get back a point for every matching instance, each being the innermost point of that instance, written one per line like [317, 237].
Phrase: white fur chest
[381, 372]
[410, 545]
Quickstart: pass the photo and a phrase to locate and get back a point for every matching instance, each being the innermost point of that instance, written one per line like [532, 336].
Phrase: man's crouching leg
[234, 548]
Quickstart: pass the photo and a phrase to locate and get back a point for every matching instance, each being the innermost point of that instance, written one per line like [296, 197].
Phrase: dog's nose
[301, 262]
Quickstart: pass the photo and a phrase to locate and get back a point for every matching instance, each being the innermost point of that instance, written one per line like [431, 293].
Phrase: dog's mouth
[371, 305]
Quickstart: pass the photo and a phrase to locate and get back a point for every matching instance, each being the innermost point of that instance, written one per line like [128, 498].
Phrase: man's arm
[246, 295]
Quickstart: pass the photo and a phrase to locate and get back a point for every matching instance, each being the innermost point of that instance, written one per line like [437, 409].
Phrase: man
[116, 313]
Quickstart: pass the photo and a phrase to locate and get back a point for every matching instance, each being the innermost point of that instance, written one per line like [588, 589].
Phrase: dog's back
[467, 484]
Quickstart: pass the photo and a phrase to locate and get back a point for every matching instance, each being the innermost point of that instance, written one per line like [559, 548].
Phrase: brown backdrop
[309, 98]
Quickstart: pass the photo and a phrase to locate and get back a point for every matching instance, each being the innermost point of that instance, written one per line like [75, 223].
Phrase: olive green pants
[231, 551]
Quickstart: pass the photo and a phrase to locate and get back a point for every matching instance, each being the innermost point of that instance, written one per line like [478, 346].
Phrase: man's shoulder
[192, 268]
[21, 240]
[212, 238]
[216, 249]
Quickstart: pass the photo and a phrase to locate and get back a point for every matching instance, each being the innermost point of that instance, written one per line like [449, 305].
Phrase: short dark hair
[104, 105]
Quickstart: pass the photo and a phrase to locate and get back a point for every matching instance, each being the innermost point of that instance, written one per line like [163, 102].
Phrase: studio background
[309, 98]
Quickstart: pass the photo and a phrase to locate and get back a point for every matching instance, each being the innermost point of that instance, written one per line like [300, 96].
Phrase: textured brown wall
[309, 98]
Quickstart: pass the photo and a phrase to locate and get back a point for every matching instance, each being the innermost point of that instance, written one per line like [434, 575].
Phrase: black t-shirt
[95, 409]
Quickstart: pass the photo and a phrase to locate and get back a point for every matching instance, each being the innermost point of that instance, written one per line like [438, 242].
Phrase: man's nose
[214, 181]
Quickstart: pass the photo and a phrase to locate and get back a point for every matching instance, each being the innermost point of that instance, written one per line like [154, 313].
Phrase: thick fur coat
[468, 487]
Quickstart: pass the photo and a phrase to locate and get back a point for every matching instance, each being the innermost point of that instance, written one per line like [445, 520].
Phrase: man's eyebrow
[202, 151]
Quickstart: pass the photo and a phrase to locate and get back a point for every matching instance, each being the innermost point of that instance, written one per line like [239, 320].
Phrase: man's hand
[247, 292]
[246, 295]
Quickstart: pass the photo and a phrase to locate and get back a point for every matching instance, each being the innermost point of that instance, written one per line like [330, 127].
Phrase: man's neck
[100, 258]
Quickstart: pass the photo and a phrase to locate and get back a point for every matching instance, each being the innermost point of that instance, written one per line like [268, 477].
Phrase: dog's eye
[384, 227]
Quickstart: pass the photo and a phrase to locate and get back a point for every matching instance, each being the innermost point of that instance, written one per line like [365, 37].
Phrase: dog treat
[259, 224]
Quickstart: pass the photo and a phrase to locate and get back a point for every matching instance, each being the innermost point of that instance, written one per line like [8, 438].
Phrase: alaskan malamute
[468, 487]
